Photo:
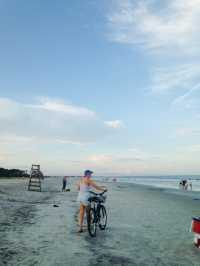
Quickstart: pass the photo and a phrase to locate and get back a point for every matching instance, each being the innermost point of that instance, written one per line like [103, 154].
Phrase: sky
[110, 85]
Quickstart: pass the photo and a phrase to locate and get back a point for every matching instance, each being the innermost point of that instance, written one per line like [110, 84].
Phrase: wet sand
[146, 227]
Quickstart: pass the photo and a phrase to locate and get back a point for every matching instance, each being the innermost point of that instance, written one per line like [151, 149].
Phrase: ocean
[156, 181]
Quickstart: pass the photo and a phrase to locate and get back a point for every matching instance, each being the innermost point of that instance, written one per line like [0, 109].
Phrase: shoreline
[174, 191]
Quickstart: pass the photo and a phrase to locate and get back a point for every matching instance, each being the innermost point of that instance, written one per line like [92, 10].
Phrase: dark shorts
[64, 184]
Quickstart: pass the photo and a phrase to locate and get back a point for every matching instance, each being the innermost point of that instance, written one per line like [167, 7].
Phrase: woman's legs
[81, 216]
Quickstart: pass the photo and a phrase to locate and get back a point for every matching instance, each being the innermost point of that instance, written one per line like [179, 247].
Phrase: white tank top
[84, 188]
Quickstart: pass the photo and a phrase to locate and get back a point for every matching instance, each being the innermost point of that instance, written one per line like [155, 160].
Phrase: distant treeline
[12, 173]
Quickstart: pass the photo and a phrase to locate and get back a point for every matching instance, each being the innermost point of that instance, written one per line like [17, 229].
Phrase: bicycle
[96, 213]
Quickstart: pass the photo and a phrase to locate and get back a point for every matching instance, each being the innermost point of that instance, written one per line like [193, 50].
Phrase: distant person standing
[64, 183]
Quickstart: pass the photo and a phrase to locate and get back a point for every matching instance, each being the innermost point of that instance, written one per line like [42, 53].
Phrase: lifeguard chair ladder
[35, 178]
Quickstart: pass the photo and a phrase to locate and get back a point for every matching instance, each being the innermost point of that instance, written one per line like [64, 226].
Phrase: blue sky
[108, 85]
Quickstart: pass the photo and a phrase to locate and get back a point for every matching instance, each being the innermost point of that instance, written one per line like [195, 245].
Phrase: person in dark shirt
[64, 183]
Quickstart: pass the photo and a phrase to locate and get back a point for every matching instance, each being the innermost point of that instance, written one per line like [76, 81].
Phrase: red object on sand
[196, 225]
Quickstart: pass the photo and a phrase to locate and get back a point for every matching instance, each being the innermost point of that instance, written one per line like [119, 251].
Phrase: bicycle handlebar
[98, 194]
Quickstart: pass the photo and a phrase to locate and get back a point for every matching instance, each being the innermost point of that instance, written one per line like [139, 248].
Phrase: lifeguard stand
[35, 178]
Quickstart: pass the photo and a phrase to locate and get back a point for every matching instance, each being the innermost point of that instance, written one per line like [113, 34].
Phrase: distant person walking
[184, 184]
[84, 187]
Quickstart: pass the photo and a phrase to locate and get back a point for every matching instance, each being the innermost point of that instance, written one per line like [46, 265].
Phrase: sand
[146, 227]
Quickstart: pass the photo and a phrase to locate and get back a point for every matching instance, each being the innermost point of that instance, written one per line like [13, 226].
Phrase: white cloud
[61, 107]
[179, 77]
[114, 124]
[157, 25]
[62, 141]
[14, 139]
[49, 120]
[169, 31]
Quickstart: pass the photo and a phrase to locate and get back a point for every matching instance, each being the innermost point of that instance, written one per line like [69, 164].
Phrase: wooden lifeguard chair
[35, 178]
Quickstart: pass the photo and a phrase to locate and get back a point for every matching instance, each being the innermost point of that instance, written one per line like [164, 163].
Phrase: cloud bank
[50, 119]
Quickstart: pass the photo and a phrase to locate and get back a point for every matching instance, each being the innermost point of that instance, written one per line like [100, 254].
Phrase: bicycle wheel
[91, 222]
[102, 217]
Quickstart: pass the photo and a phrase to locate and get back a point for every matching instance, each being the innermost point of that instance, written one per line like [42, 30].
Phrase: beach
[146, 226]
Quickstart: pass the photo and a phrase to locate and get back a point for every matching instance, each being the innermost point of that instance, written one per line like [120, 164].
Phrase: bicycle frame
[96, 204]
